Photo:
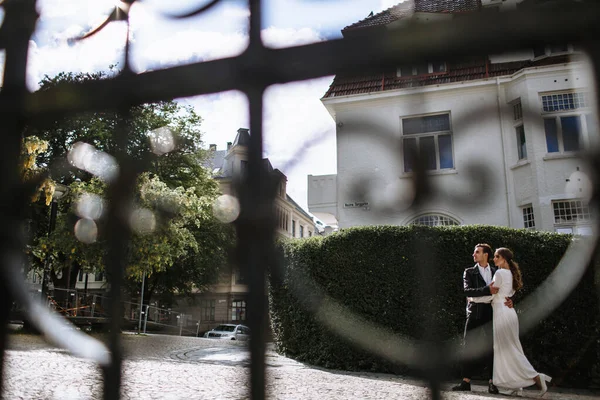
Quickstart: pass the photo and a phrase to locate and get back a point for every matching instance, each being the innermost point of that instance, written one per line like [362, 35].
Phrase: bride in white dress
[512, 370]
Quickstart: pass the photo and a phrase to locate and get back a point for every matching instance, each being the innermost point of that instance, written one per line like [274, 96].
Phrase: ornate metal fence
[251, 72]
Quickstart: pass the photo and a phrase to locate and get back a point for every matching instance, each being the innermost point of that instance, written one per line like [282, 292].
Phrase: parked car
[230, 332]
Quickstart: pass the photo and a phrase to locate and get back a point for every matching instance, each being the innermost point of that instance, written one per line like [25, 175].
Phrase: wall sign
[356, 204]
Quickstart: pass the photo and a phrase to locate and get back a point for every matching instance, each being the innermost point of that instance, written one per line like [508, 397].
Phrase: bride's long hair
[507, 254]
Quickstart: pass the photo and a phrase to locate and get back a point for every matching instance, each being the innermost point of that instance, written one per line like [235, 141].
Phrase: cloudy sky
[293, 112]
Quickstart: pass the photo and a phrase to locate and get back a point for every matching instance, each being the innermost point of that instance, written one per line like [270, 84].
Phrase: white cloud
[81, 11]
[230, 11]
[186, 47]
[287, 37]
[223, 114]
[385, 4]
[96, 53]
[299, 133]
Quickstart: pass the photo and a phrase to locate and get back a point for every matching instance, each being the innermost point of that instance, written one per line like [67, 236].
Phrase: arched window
[434, 220]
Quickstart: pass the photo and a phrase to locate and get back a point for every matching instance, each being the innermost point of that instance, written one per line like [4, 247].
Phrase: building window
[429, 136]
[550, 50]
[518, 111]
[293, 228]
[98, 276]
[434, 220]
[437, 67]
[244, 167]
[572, 216]
[301, 231]
[207, 309]
[239, 276]
[421, 69]
[309, 233]
[521, 145]
[528, 219]
[564, 101]
[80, 278]
[282, 189]
[282, 218]
[570, 211]
[238, 310]
[563, 133]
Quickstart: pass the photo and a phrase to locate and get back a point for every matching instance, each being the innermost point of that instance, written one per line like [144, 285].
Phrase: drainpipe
[506, 193]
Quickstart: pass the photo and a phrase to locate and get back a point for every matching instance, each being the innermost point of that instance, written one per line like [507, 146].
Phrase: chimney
[243, 130]
[212, 147]
[228, 145]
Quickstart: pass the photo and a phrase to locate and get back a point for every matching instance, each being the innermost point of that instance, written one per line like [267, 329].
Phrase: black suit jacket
[475, 286]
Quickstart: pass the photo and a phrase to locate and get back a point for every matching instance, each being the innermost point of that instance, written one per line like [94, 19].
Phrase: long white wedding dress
[512, 370]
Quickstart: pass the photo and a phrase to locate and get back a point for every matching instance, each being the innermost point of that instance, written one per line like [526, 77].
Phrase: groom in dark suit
[476, 282]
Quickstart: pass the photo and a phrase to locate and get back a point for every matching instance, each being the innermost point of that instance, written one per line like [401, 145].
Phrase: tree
[181, 167]
[186, 245]
[41, 187]
[30, 170]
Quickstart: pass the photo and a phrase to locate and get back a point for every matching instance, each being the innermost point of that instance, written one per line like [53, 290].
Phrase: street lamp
[59, 192]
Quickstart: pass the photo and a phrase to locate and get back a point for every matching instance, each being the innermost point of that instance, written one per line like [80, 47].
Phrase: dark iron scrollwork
[477, 34]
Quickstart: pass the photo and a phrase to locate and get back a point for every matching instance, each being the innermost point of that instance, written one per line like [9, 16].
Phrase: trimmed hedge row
[374, 272]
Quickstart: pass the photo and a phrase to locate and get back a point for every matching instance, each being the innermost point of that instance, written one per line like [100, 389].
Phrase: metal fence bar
[20, 19]
[252, 72]
[482, 33]
[252, 229]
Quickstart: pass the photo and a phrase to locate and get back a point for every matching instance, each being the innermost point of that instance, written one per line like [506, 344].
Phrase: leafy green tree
[181, 167]
[177, 242]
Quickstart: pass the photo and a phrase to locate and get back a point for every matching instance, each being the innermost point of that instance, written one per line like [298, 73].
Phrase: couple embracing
[488, 290]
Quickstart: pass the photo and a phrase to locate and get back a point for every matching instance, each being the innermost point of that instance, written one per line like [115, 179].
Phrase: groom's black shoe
[462, 387]
[492, 388]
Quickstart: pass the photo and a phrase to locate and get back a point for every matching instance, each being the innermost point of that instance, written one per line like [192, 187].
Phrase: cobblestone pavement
[172, 367]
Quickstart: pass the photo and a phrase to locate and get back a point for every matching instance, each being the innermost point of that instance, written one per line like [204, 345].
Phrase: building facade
[226, 300]
[500, 136]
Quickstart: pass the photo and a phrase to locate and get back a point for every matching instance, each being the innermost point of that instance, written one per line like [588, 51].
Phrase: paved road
[171, 367]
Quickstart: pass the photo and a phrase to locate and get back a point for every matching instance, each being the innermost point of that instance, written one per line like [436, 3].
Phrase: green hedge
[374, 272]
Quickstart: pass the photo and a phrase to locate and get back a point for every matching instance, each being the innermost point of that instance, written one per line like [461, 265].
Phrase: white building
[522, 119]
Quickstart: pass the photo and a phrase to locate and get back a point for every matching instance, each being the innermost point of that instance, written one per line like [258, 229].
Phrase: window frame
[573, 225]
[414, 69]
[528, 217]
[282, 218]
[517, 111]
[557, 117]
[238, 309]
[582, 110]
[548, 51]
[581, 101]
[521, 142]
[445, 219]
[208, 307]
[435, 134]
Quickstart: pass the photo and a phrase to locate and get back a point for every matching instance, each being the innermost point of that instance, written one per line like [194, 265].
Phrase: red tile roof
[377, 81]
[407, 8]
[467, 70]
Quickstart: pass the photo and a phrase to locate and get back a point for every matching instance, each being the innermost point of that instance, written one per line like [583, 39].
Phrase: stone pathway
[172, 367]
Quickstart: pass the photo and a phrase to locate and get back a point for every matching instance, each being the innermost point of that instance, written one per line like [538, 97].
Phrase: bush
[379, 274]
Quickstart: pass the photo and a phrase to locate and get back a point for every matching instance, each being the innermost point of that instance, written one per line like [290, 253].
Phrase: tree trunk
[64, 286]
